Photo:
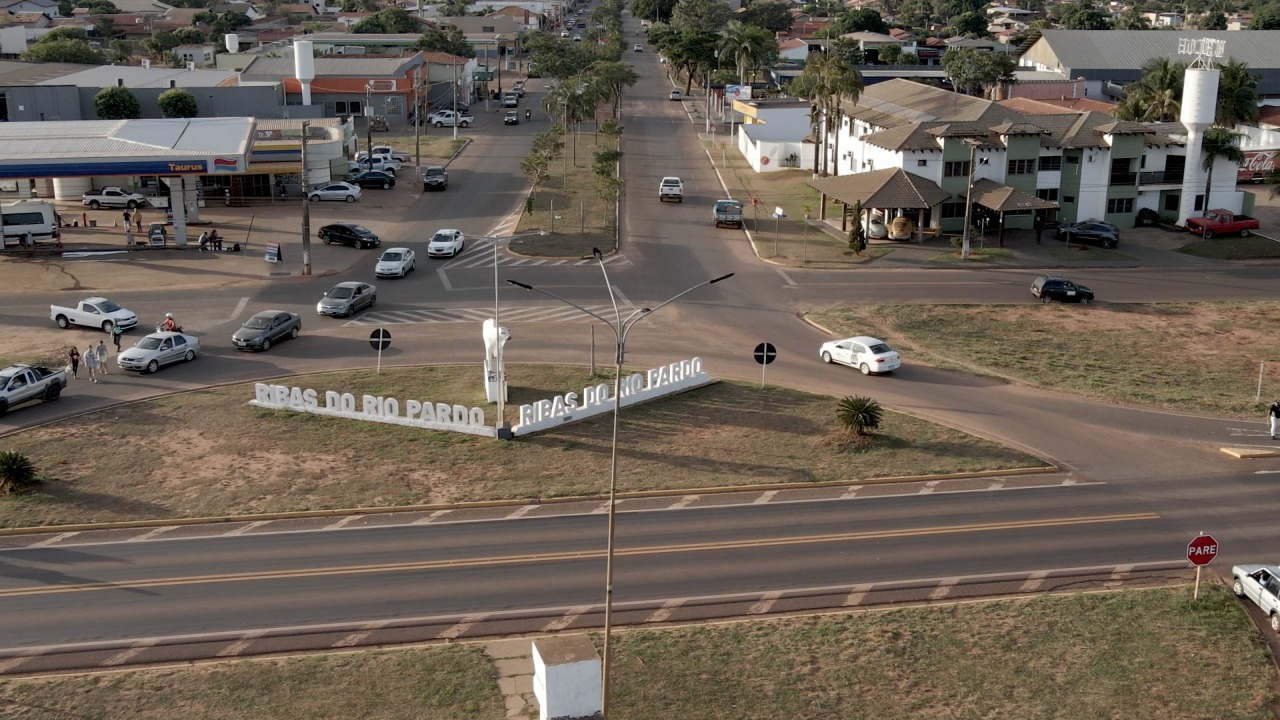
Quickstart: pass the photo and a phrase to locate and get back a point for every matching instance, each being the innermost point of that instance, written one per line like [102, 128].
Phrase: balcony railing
[1160, 177]
[1124, 178]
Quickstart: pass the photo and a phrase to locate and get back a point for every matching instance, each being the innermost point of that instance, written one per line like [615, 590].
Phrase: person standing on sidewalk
[116, 332]
[137, 218]
[128, 219]
[91, 363]
[1274, 416]
[73, 358]
[102, 357]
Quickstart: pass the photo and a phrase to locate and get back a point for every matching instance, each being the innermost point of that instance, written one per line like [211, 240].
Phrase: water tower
[1199, 106]
[232, 41]
[304, 67]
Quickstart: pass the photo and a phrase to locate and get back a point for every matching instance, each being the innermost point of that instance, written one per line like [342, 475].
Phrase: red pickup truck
[1222, 222]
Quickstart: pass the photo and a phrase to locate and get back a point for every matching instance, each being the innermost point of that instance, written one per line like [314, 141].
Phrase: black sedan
[1090, 232]
[357, 236]
[265, 328]
[372, 179]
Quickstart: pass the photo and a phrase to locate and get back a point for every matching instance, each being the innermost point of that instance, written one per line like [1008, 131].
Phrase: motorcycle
[162, 328]
[528, 114]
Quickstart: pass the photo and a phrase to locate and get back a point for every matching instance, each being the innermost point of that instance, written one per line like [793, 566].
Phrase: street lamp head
[595, 253]
[722, 277]
[519, 284]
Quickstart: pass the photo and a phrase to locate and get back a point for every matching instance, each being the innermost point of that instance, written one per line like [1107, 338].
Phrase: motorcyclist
[169, 324]
[528, 113]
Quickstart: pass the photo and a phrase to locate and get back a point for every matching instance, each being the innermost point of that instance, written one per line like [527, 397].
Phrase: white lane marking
[462, 626]
[520, 512]
[765, 497]
[240, 645]
[124, 657]
[664, 612]
[851, 493]
[251, 526]
[683, 502]
[944, 588]
[929, 487]
[239, 309]
[1265, 472]
[431, 518]
[603, 507]
[765, 604]
[567, 619]
[1118, 575]
[623, 303]
[343, 522]
[54, 540]
[996, 485]
[356, 638]
[785, 276]
[152, 534]
[1034, 581]
[444, 280]
[13, 662]
[856, 595]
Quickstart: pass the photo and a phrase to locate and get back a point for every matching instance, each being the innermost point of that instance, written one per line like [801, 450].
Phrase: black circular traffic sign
[765, 353]
[380, 339]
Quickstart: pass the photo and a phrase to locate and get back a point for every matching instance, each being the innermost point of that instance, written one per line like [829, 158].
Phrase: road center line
[785, 276]
[444, 280]
[239, 309]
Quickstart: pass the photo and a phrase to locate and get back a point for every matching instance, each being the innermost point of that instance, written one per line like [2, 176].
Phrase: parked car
[265, 328]
[395, 262]
[1261, 584]
[94, 312]
[902, 228]
[157, 349]
[378, 162]
[335, 191]
[397, 155]
[435, 178]
[24, 383]
[357, 236]
[867, 354]
[446, 243]
[577, 38]
[512, 118]
[1049, 288]
[675, 95]
[1090, 232]
[347, 298]
[113, 197]
[372, 179]
[876, 229]
[1222, 222]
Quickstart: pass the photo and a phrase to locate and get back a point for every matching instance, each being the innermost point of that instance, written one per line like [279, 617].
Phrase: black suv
[435, 178]
[372, 179]
[1091, 232]
[1061, 289]
[349, 234]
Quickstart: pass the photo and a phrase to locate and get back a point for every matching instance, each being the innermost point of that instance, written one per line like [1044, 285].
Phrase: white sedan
[335, 191]
[865, 353]
[395, 262]
[159, 348]
[446, 243]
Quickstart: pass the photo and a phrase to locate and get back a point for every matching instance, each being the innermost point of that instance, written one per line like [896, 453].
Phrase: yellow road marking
[578, 554]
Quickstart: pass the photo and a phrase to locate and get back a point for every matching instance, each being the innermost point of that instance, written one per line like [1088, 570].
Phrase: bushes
[17, 474]
[859, 415]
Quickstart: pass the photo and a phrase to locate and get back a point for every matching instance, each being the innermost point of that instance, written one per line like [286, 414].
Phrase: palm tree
[1219, 142]
[1132, 19]
[748, 46]
[826, 81]
[859, 415]
[1157, 97]
[1237, 95]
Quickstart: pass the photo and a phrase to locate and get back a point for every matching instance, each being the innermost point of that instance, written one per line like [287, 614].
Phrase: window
[1052, 163]
[1068, 199]
[1119, 205]
[342, 107]
[955, 168]
[1072, 159]
[922, 163]
[1022, 167]
[1199, 203]
[1172, 201]
[1050, 194]
[952, 210]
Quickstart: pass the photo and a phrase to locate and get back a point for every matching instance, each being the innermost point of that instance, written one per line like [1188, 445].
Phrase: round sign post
[764, 353]
[1200, 552]
[380, 340]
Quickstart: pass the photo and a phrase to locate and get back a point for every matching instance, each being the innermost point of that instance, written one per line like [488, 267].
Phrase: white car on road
[1261, 584]
[335, 191]
[159, 348]
[446, 243]
[865, 353]
[395, 262]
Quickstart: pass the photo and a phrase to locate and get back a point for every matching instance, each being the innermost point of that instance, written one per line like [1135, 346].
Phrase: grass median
[1192, 357]
[209, 453]
[1069, 656]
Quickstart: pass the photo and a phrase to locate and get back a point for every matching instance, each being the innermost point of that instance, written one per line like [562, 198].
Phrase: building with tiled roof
[1087, 163]
[1054, 106]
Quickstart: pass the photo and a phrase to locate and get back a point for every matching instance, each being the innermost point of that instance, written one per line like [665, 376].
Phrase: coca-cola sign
[1257, 165]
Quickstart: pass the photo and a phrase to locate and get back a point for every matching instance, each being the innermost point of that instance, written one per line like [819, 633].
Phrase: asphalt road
[1162, 477]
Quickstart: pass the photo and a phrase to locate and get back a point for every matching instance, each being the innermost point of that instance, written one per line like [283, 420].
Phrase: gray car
[346, 299]
[265, 328]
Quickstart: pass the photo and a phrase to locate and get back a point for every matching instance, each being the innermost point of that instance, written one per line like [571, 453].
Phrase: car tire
[106, 326]
[826, 358]
[1208, 234]
[373, 301]
[95, 205]
[439, 124]
[293, 334]
[4, 407]
[315, 198]
[464, 124]
[132, 204]
[62, 322]
[152, 367]
[351, 198]
[1275, 622]
[1109, 246]
[1237, 587]
[325, 239]
[1046, 299]
[1244, 232]
[386, 185]
[865, 369]
[266, 344]
[1085, 300]
[53, 392]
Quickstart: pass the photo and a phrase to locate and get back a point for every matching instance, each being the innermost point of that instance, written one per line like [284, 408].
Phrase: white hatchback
[395, 262]
[865, 353]
[446, 243]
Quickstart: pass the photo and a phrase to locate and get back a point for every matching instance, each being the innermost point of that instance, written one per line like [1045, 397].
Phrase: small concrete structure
[566, 677]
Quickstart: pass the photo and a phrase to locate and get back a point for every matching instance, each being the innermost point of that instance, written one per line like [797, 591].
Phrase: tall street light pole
[501, 371]
[306, 205]
[620, 327]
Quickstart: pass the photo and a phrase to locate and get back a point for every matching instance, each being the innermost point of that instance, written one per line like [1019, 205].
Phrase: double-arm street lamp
[620, 327]
[497, 327]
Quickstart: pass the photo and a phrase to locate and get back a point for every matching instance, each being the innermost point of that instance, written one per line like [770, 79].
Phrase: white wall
[13, 40]
[1095, 177]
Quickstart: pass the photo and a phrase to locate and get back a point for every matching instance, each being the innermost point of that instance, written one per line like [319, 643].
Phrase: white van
[34, 219]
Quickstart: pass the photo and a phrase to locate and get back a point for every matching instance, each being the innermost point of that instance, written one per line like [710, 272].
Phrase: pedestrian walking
[73, 358]
[91, 363]
[128, 236]
[1274, 416]
[102, 358]
[128, 219]
[137, 219]
[116, 332]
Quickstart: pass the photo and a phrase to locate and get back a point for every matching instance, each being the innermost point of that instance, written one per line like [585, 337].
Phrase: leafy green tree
[1214, 21]
[1266, 17]
[850, 21]
[768, 14]
[447, 39]
[849, 51]
[612, 77]
[970, 24]
[160, 42]
[355, 6]
[857, 234]
[121, 52]
[190, 36]
[891, 54]
[66, 7]
[178, 103]
[748, 47]
[701, 15]
[105, 28]
[1082, 16]
[1237, 95]
[1132, 19]
[546, 147]
[222, 23]
[63, 51]
[1157, 97]
[687, 50]
[101, 7]
[17, 473]
[1219, 142]
[66, 32]
[859, 415]
[826, 82]
[117, 103]
[655, 10]
[978, 72]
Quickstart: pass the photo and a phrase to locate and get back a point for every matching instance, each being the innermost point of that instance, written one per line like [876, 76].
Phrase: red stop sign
[1202, 550]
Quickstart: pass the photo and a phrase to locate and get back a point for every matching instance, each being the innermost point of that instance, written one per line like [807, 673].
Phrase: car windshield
[728, 205]
[442, 238]
[149, 343]
[435, 171]
[881, 348]
[360, 230]
[340, 293]
[108, 307]
[391, 256]
[258, 323]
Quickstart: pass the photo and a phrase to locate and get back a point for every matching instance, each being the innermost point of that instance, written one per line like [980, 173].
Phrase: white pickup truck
[447, 118]
[671, 189]
[23, 383]
[95, 312]
[113, 197]
[1261, 584]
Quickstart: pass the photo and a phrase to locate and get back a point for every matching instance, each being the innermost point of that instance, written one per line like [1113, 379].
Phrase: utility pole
[306, 206]
[968, 198]
[455, 100]
[417, 118]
